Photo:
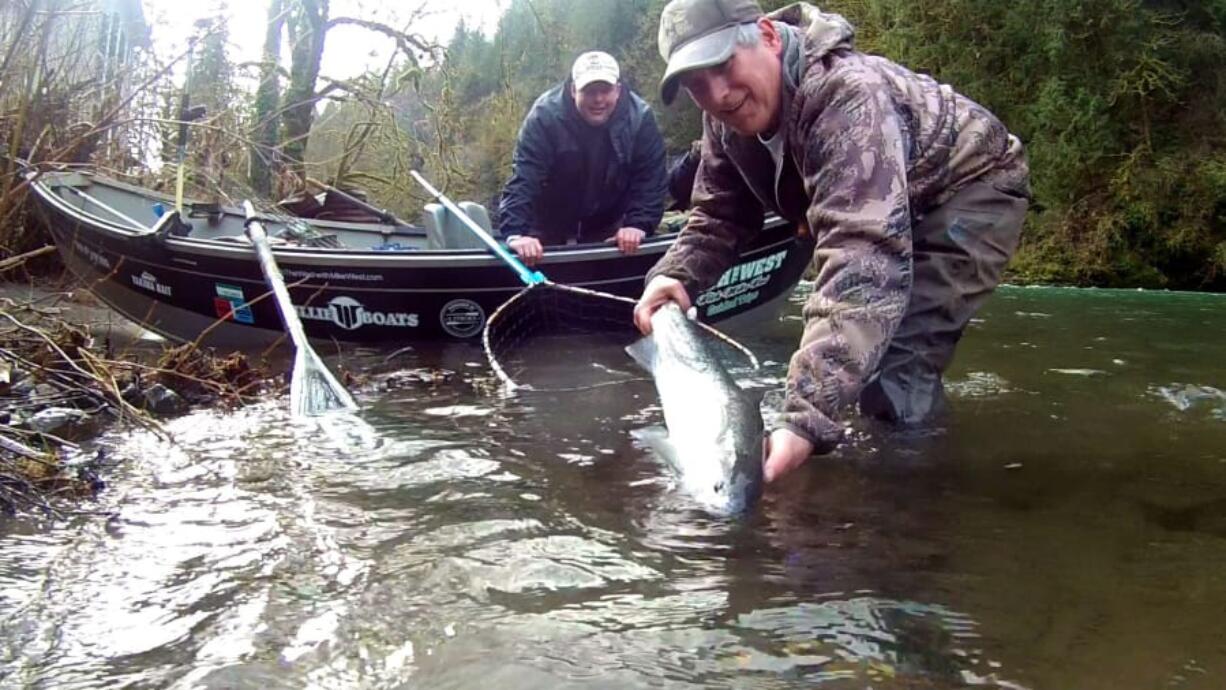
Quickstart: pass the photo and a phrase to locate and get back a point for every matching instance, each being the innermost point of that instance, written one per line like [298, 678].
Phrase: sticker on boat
[148, 281]
[231, 303]
[350, 314]
[462, 318]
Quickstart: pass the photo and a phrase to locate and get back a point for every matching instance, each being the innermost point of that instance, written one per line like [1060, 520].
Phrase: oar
[533, 279]
[383, 214]
[313, 390]
[527, 275]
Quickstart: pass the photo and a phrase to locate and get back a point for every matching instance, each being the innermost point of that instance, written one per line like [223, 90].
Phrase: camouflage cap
[699, 33]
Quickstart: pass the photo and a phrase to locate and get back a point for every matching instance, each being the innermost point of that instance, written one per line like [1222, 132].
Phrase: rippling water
[1066, 529]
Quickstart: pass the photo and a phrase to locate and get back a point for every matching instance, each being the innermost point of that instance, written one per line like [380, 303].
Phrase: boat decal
[752, 269]
[742, 284]
[332, 275]
[91, 255]
[350, 314]
[148, 281]
[230, 302]
[462, 318]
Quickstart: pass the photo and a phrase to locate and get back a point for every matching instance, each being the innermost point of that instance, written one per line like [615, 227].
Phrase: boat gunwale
[232, 247]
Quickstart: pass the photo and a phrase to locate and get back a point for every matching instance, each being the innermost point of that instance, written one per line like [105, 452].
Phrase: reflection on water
[1185, 397]
[1064, 528]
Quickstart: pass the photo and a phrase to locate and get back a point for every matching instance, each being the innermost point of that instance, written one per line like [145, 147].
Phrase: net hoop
[500, 320]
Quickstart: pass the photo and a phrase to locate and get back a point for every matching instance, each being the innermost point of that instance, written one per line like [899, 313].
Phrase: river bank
[70, 369]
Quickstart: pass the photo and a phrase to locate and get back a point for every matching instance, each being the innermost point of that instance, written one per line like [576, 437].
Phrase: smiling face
[744, 92]
[596, 101]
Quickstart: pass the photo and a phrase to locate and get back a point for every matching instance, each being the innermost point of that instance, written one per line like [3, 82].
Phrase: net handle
[528, 276]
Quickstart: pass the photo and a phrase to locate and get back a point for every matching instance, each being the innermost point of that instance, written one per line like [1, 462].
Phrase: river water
[1065, 529]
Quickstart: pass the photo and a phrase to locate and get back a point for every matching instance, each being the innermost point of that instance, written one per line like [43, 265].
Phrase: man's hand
[785, 451]
[628, 240]
[528, 248]
[659, 292]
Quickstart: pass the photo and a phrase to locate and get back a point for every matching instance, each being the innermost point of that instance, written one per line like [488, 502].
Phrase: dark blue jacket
[545, 196]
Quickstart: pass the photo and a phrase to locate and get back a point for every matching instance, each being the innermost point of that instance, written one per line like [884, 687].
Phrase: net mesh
[553, 337]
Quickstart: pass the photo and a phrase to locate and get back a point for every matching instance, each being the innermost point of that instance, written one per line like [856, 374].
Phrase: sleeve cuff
[824, 441]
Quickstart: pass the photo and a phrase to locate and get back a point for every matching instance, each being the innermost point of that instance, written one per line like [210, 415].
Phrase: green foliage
[1121, 105]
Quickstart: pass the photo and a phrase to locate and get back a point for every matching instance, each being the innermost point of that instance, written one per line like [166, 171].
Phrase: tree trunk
[267, 102]
[307, 22]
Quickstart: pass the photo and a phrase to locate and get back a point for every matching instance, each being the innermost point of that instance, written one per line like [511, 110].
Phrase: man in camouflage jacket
[913, 193]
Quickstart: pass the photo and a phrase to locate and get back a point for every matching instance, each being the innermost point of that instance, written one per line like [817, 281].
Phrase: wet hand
[785, 451]
[629, 239]
[660, 291]
[528, 248]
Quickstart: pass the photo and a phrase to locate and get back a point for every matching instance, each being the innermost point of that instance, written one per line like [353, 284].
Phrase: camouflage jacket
[869, 148]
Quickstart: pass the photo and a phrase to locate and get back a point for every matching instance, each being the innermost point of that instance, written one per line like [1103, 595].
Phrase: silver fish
[715, 430]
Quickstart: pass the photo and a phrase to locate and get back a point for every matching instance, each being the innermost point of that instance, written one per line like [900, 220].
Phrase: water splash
[1187, 397]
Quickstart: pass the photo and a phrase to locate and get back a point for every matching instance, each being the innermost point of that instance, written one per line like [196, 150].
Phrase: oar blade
[314, 391]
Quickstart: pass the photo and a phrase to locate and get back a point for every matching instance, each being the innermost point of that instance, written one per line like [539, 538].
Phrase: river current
[1064, 529]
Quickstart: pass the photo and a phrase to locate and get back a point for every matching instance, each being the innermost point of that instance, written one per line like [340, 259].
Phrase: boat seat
[445, 231]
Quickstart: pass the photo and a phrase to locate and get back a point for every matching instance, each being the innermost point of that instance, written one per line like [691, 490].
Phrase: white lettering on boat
[149, 282]
[752, 269]
[94, 256]
[738, 301]
[333, 275]
[350, 314]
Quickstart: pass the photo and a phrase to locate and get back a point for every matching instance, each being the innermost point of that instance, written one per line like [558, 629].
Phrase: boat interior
[141, 212]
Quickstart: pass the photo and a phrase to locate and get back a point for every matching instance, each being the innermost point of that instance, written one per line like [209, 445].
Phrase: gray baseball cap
[695, 34]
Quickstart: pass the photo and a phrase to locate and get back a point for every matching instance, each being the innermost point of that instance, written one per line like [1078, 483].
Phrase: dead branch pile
[59, 386]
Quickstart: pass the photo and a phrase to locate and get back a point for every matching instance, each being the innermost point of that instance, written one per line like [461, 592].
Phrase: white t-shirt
[775, 146]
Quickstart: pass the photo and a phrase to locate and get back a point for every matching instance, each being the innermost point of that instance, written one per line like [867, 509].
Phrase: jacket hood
[822, 31]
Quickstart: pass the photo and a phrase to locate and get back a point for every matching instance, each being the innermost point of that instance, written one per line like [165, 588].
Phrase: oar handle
[259, 240]
[313, 389]
[527, 275]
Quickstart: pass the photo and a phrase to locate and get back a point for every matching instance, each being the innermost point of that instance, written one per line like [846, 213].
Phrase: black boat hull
[212, 289]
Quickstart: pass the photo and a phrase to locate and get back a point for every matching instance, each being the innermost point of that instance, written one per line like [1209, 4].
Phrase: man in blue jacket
[588, 166]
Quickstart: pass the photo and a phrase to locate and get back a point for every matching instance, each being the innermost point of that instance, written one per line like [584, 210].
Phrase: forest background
[1120, 103]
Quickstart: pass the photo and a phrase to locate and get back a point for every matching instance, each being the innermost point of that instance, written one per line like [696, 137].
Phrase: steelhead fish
[715, 429]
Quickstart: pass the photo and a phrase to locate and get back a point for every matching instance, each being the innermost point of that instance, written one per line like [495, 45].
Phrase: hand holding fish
[660, 291]
[785, 451]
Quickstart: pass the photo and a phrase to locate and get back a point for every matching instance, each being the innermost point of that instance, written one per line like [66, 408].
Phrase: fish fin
[649, 435]
[643, 351]
[656, 438]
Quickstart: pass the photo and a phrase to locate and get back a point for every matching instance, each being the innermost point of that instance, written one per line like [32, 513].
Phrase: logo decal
[349, 314]
[231, 303]
[462, 318]
[94, 256]
[741, 284]
[150, 282]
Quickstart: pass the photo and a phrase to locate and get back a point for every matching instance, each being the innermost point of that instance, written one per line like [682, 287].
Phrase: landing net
[552, 337]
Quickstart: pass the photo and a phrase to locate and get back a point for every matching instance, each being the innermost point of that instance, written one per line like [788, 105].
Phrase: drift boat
[355, 282]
